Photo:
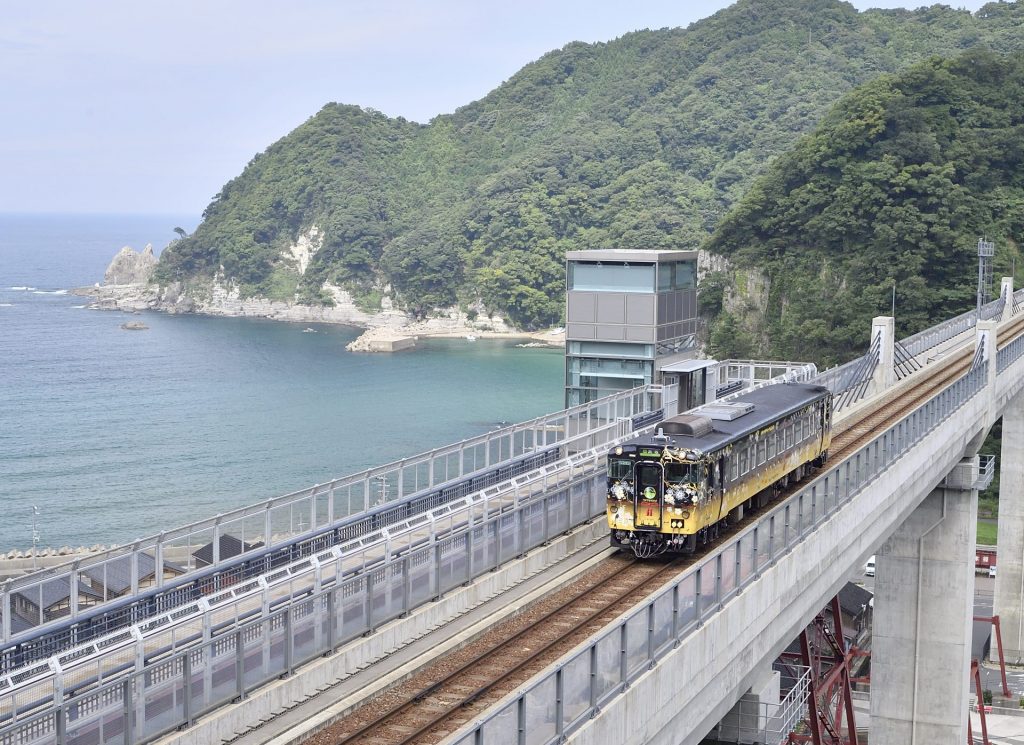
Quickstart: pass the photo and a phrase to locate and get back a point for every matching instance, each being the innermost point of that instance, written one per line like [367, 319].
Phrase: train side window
[619, 468]
[743, 459]
[771, 444]
[761, 452]
[789, 435]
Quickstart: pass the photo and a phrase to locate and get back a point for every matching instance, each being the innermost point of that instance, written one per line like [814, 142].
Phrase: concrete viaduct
[918, 515]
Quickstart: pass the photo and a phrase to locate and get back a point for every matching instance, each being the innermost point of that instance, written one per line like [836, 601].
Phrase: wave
[79, 306]
[6, 305]
[49, 292]
[30, 289]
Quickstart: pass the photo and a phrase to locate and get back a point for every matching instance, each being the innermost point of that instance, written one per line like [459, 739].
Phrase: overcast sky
[149, 106]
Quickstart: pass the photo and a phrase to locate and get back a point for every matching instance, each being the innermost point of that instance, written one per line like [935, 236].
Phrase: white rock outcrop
[305, 248]
[130, 267]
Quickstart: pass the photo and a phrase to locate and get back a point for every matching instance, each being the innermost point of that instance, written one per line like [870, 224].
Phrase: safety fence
[219, 666]
[848, 382]
[940, 333]
[1010, 353]
[278, 522]
[553, 706]
[763, 722]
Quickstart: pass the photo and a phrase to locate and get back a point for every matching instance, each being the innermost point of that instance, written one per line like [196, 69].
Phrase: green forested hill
[894, 188]
[642, 142]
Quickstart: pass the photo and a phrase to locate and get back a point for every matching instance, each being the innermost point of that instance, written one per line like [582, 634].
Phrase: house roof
[852, 598]
[53, 591]
[19, 623]
[229, 546]
[116, 574]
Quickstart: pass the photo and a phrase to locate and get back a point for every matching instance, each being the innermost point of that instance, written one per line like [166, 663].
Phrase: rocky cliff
[130, 267]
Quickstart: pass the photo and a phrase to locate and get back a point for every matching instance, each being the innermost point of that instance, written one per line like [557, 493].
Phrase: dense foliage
[893, 189]
[642, 142]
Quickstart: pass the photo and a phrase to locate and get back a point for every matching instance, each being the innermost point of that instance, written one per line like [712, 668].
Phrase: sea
[108, 435]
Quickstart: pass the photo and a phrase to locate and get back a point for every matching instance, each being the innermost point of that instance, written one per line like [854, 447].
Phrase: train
[671, 490]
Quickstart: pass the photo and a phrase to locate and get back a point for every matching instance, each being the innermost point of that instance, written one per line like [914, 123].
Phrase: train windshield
[619, 468]
[684, 473]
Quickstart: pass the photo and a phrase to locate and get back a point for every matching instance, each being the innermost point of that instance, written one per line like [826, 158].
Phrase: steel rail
[648, 573]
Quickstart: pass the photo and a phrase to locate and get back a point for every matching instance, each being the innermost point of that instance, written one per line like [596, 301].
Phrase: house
[113, 577]
[855, 606]
[51, 598]
[227, 545]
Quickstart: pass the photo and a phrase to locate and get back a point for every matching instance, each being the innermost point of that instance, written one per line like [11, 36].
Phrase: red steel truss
[830, 704]
[976, 674]
[994, 620]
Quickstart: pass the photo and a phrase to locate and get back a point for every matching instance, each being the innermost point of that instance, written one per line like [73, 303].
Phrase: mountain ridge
[645, 141]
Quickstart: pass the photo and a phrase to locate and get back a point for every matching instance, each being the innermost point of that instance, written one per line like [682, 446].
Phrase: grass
[986, 533]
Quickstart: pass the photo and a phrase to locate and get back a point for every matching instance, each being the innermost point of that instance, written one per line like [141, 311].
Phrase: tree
[181, 232]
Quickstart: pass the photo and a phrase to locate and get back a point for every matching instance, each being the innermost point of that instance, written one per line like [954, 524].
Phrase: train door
[650, 480]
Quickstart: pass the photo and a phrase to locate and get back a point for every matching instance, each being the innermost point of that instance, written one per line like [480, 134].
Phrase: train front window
[648, 480]
[619, 468]
[684, 473]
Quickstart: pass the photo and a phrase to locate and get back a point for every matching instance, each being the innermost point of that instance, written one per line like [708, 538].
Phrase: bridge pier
[1009, 592]
[924, 602]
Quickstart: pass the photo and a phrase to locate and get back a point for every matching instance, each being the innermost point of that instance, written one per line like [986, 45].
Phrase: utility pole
[35, 537]
[986, 250]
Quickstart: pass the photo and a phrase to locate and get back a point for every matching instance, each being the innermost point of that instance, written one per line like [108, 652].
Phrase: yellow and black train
[670, 491]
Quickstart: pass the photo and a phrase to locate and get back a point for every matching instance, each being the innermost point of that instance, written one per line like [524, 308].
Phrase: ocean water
[116, 435]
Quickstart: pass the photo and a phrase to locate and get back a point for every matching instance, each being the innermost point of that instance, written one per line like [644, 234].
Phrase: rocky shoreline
[126, 287]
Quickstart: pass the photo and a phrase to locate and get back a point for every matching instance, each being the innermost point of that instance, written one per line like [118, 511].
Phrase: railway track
[435, 703]
[850, 434]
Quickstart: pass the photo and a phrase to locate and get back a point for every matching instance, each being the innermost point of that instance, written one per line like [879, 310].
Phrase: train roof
[766, 405]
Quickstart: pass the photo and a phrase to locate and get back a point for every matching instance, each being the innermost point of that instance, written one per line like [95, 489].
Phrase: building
[228, 546]
[49, 600]
[113, 578]
[628, 314]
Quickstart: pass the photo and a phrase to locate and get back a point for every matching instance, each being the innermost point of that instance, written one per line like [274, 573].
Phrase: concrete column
[1006, 291]
[1010, 554]
[885, 374]
[924, 602]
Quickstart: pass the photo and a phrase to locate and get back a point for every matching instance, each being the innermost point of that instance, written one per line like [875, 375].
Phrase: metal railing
[170, 690]
[222, 612]
[763, 722]
[851, 375]
[921, 342]
[1009, 353]
[986, 472]
[751, 372]
[277, 522]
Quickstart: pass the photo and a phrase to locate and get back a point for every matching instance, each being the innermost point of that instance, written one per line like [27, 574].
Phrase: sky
[150, 106]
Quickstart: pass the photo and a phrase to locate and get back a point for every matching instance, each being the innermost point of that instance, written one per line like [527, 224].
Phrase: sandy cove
[384, 339]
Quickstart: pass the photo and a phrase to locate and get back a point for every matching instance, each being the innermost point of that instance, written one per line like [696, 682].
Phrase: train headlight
[686, 514]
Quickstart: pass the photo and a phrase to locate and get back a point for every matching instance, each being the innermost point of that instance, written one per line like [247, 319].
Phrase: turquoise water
[119, 434]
